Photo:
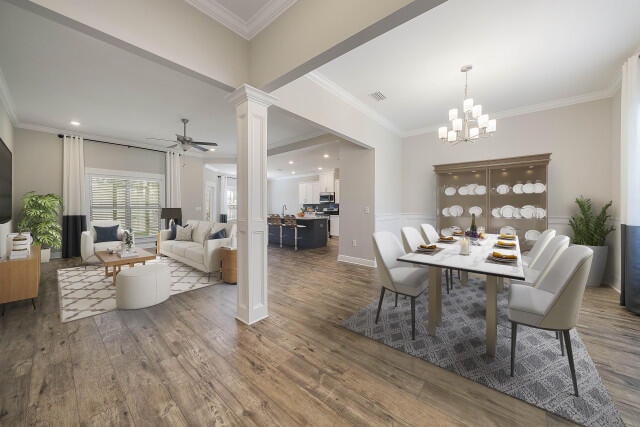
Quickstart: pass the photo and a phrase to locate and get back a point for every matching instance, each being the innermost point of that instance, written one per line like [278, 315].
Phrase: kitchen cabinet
[326, 182]
[502, 192]
[337, 190]
[308, 192]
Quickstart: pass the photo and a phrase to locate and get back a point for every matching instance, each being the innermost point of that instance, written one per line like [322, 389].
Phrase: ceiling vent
[378, 96]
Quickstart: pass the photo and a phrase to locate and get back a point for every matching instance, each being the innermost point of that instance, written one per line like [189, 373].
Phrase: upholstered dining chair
[554, 303]
[538, 247]
[411, 239]
[404, 280]
[548, 256]
[431, 236]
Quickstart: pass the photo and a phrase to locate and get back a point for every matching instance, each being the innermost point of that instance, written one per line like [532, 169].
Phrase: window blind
[133, 202]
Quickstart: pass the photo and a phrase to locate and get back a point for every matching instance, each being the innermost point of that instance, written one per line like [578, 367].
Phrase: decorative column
[251, 121]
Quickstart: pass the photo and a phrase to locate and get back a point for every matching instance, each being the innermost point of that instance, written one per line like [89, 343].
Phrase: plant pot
[598, 265]
[45, 255]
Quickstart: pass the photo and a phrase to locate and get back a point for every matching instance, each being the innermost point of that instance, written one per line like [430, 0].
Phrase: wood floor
[189, 362]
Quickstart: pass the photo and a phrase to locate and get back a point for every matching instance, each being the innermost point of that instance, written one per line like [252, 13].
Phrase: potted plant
[591, 230]
[40, 213]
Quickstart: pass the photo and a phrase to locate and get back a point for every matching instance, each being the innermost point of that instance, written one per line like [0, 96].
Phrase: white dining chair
[536, 271]
[398, 278]
[538, 247]
[429, 233]
[411, 239]
[554, 303]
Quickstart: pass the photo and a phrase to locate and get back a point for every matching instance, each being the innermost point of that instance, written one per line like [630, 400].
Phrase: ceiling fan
[186, 142]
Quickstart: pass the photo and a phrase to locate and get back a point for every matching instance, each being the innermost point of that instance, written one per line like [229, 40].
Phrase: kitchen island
[311, 232]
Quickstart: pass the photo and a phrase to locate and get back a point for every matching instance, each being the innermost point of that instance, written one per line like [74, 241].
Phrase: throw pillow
[218, 234]
[172, 227]
[106, 234]
[183, 233]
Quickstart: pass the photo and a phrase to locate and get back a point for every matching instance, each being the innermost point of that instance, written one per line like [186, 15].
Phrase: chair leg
[514, 333]
[380, 303]
[396, 299]
[561, 337]
[446, 279]
[413, 318]
[567, 339]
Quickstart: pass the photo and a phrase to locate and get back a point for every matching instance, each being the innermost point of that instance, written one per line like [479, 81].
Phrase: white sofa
[201, 252]
[88, 245]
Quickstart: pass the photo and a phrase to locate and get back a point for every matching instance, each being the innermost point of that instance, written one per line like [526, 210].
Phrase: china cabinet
[503, 193]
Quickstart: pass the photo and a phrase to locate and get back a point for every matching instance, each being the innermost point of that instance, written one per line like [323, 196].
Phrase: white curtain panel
[174, 164]
[630, 141]
[73, 178]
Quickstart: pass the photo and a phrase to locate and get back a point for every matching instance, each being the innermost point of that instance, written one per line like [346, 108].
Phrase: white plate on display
[502, 189]
[471, 188]
[446, 232]
[450, 191]
[528, 188]
[506, 211]
[495, 212]
[456, 210]
[516, 213]
[481, 190]
[475, 210]
[532, 235]
[540, 213]
[508, 230]
[528, 211]
[445, 212]
[540, 187]
[463, 190]
[517, 188]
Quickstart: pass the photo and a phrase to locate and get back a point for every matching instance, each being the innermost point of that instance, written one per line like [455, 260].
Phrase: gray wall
[7, 135]
[118, 157]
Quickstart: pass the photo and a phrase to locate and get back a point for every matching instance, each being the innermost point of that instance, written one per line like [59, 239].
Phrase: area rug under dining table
[542, 376]
[85, 291]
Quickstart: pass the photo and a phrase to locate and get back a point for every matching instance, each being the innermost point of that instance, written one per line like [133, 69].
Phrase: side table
[229, 261]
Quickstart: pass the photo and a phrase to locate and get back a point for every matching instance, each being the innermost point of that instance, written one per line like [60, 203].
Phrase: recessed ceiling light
[326, 156]
[212, 149]
[293, 172]
[74, 123]
[320, 168]
[290, 162]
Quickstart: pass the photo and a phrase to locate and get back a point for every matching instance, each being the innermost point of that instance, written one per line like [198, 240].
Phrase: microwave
[327, 197]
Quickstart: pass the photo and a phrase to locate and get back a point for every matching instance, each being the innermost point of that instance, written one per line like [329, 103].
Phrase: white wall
[579, 138]
[6, 133]
[285, 190]
[613, 273]
[192, 188]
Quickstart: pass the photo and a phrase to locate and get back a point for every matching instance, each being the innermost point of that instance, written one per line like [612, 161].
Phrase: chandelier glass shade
[472, 125]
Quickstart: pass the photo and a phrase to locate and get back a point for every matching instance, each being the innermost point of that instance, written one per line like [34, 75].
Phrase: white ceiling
[526, 55]
[245, 17]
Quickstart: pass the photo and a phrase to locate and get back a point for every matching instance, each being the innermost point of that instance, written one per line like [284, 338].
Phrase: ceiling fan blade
[213, 144]
[199, 148]
[161, 139]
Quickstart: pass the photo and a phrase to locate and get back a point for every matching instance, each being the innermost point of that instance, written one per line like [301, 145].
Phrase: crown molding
[246, 29]
[543, 106]
[7, 101]
[336, 90]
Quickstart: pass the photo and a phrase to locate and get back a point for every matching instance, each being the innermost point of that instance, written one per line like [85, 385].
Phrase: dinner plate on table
[512, 247]
[447, 241]
[505, 260]
[426, 250]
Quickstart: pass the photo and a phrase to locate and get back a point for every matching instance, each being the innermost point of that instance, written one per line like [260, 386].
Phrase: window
[231, 199]
[133, 201]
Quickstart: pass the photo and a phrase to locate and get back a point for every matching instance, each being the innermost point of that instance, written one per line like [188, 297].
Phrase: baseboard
[359, 261]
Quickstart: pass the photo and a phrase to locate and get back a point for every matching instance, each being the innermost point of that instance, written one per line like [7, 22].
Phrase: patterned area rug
[542, 376]
[87, 292]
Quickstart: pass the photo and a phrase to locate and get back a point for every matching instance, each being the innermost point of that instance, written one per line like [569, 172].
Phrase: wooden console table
[19, 278]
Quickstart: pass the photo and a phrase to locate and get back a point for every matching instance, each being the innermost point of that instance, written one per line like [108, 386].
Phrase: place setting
[428, 249]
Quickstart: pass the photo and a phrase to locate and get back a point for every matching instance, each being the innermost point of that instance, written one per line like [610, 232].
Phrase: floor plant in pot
[40, 214]
[591, 230]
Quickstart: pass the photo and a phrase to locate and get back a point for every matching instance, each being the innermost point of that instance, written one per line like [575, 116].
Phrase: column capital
[246, 92]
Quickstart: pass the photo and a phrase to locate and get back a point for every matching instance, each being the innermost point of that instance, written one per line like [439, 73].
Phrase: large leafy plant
[588, 228]
[40, 214]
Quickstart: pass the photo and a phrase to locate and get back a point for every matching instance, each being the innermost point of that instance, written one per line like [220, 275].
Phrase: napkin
[507, 236]
[427, 246]
[446, 238]
[503, 243]
[496, 254]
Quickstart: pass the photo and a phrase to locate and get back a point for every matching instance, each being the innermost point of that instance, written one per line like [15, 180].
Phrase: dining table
[478, 260]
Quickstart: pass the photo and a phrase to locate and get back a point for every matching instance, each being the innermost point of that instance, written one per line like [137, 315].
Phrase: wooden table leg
[435, 302]
[464, 277]
[492, 314]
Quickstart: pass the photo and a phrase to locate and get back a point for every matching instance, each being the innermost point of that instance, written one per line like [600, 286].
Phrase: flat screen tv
[5, 182]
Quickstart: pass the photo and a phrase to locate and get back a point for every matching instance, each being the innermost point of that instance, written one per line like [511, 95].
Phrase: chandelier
[472, 125]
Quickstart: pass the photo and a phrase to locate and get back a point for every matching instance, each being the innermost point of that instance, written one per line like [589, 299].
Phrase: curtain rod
[114, 143]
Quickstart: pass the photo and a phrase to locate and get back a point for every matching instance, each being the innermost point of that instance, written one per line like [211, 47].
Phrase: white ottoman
[142, 286]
